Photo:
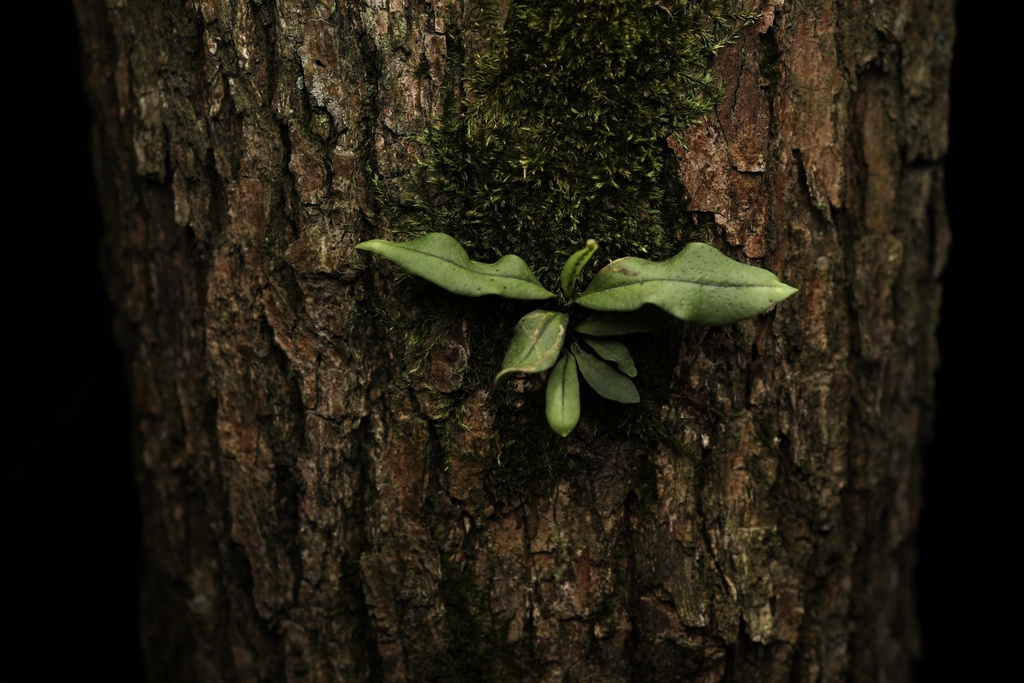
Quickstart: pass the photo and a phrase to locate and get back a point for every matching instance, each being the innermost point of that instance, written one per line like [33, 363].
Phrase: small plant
[699, 284]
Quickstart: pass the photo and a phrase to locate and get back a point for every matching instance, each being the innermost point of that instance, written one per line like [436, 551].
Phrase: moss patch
[562, 134]
[478, 648]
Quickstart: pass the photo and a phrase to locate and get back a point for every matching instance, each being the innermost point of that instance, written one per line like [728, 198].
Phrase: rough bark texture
[306, 517]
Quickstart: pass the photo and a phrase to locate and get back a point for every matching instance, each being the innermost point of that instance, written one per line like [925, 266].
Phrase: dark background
[82, 541]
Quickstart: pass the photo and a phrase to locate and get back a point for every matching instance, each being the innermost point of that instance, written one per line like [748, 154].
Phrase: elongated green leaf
[699, 284]
[604, 379]
[563, 396]
[440, 259]
[536, 343]
[613, 351]
[601, 324]
[574, 266]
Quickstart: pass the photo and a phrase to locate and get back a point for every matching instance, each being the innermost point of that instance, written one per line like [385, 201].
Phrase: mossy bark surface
[331, 489]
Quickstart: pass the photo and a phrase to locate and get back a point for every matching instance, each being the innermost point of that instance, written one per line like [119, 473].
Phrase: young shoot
[699, 285]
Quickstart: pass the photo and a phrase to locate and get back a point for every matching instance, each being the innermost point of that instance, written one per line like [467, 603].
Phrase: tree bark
[328, 498]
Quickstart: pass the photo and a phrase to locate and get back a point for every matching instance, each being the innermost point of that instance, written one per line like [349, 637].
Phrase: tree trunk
[331, 489]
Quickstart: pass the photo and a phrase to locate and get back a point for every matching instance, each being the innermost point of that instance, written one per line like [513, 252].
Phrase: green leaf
[563, 396]
[604, 379]
[536, 343]
[600, 324]
[613, 351]
[699, 284]
[574, 266]
[440, 259]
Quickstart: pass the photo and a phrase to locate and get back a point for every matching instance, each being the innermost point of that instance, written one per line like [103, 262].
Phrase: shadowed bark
[321, 503]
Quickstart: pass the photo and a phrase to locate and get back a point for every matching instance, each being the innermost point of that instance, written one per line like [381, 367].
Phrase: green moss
[532, 458]
[477, 648]
[561, 135]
